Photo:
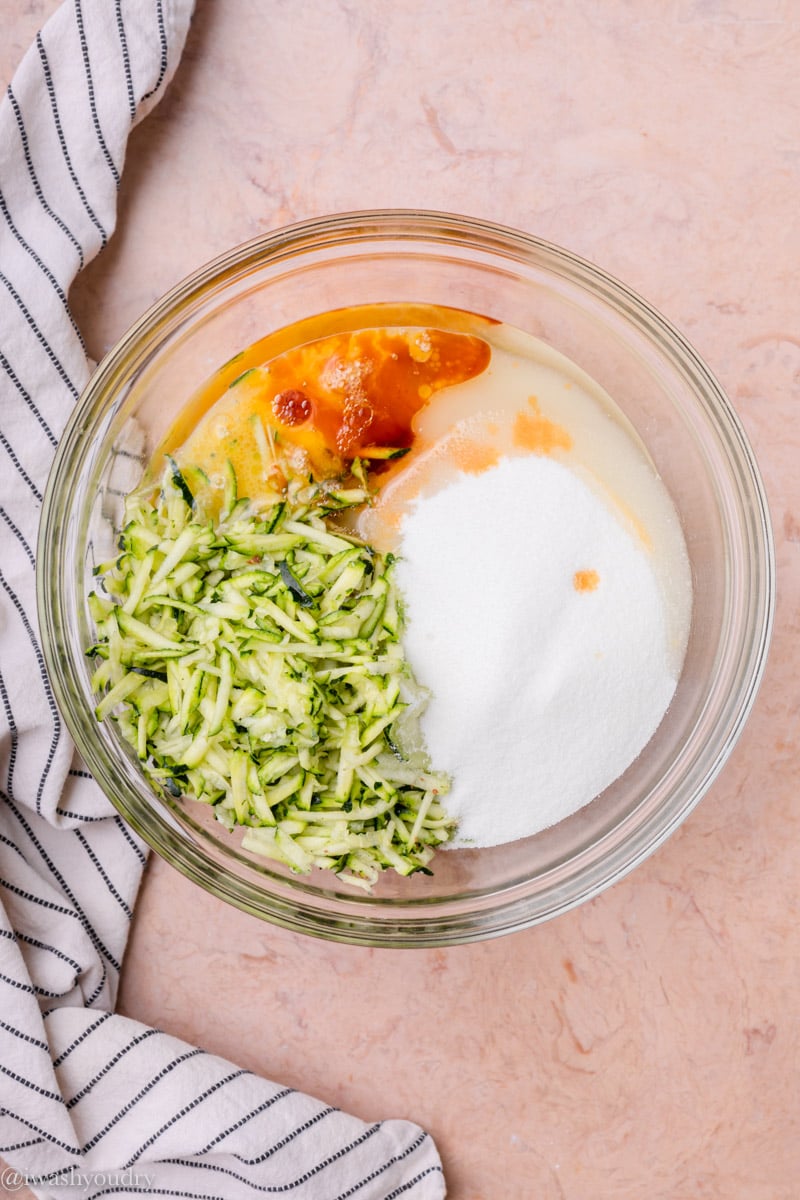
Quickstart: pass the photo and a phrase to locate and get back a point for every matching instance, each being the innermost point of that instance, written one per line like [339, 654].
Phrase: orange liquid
[324, 391]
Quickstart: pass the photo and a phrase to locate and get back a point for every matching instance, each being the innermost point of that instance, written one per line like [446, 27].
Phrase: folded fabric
[92, 1103]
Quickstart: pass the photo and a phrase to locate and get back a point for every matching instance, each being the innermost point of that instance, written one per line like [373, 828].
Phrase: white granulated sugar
[542, 694]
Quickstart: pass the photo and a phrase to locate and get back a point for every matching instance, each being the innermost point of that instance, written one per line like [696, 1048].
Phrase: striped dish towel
[92, 1103]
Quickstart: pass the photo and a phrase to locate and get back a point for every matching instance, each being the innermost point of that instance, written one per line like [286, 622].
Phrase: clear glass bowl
[655, 377]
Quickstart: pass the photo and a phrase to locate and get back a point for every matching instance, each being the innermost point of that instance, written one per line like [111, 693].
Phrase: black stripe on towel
[12, 375]
[98, 990]
[45, 684]
[118, 821]
[28, 987]
[66, 889]
[9, 449]
[12, 752]
[386, 1166]
[26, 1037]
[187, 1108]
[32, 941]
[19, 536]
[21, 1146]
[79, 1040]
[101, 871]
[37, 187]
[123, 1112]
[164, 53]
[90, 87]
[13, 846]
[48, 79]
[54, 1141]
[28, 1084]
[34, 899]
[41, 339]
[256, 1112]
[283, 1188]
[112, 1062]
[48, 274]
[126, 61]
[405, 1187]
[76, 816]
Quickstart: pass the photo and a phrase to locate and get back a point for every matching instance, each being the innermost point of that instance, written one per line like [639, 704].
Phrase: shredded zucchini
[254, 663]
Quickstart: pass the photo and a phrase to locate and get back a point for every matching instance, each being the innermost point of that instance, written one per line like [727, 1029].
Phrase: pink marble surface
[646, 1044]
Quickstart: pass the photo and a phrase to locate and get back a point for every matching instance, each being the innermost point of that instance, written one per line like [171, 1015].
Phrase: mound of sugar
[534, 617]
